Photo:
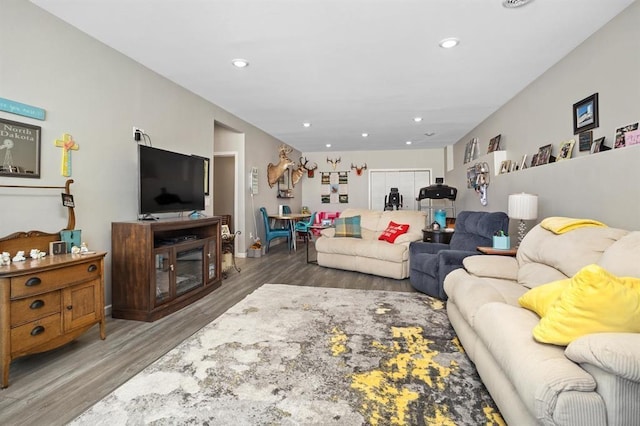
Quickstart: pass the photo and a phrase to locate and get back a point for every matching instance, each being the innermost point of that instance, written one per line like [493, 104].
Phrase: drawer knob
[69, 307]
[36, 304]
[33, 281]
[92, 268]
[37, 330]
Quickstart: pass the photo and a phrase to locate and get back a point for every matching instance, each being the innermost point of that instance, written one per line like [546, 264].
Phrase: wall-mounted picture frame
[585, 139]
[67, 200]
[585, 114]
[494, 144]
[470, 150]
[19, 149]
[566, 149]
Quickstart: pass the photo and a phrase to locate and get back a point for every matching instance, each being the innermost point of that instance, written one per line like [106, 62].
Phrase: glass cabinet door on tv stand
[179, 270]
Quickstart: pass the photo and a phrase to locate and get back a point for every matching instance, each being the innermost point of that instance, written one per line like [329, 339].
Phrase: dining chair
[273, 233]
[304, 227]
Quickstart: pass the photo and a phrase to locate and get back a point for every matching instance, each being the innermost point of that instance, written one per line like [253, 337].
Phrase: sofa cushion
[503, 267]
[567, 253]
[470, 293]
[347, 227]
[393, 231]
[621, 258]
[595, 301]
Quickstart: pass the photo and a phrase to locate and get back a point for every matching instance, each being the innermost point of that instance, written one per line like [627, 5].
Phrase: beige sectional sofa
[368, 254]
[595, 379]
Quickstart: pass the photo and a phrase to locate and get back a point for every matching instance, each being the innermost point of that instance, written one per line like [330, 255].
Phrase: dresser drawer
[37, 283]
[35, 333]
[34, 307]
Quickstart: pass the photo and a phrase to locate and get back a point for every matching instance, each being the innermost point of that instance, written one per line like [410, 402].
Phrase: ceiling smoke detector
[512, 4]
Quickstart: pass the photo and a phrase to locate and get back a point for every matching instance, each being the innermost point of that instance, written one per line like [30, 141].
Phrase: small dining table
[291, 218]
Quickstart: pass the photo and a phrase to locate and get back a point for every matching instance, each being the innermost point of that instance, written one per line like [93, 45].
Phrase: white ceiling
[347, 66]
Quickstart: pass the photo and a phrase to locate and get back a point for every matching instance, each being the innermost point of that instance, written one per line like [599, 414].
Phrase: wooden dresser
[50, 301]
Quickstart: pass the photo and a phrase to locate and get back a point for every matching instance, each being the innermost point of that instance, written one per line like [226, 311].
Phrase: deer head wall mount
[274, 171]
[360, 169]
[334, 162]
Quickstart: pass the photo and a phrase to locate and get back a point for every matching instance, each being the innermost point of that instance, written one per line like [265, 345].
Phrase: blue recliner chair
[431, 262]
[272, 233]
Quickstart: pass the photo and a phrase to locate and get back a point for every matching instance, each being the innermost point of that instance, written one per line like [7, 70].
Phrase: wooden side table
[431, 236]
[501, 252]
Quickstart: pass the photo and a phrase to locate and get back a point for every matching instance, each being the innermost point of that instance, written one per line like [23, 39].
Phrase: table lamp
[523, 207]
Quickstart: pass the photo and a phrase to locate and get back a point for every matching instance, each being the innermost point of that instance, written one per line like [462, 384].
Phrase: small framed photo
[596, 146]
[534, 160]
[67, 200]
[585, 114]
[494, 144]
[523, 162]
[585, 139]
[505, 166]
[544, 155]
[224, 230]
[566, 148]
[621, 135]
[57, 247]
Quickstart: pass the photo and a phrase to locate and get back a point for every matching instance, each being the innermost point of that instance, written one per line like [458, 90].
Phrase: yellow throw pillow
[540, 298]
[595, 301]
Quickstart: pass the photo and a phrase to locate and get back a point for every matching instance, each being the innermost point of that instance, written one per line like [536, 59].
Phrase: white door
[407, 181]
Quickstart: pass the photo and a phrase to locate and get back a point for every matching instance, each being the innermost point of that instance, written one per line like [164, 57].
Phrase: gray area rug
[291, 355]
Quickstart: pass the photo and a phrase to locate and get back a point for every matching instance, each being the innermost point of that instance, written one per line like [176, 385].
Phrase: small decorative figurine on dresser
[19, 257]
[5, 258]
[37, 254]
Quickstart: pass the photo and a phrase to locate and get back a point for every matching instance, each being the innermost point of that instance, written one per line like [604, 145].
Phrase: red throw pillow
[393, 231]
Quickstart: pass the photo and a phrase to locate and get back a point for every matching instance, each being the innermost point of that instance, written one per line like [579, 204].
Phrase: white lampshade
[523, 206]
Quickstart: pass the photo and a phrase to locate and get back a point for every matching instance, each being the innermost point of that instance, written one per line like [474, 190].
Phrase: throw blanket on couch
[560, 225]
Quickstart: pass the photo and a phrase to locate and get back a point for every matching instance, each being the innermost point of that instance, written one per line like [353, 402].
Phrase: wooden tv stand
[159, 267]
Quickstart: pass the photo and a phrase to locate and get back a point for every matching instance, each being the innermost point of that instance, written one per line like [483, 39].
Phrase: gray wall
[432, 159]
[603, 186]
[97, 95]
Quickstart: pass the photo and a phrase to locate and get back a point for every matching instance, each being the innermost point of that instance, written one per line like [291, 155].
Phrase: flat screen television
[169, 181]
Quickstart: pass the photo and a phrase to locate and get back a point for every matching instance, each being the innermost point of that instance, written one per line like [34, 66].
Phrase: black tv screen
[169, 181]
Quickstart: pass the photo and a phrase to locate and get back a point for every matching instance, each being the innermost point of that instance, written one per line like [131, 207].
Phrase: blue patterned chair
[430, 262]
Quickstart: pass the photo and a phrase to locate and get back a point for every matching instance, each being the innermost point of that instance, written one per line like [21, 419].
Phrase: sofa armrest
[503, 267]
[615, 353]
[328, 232]
[417, 247]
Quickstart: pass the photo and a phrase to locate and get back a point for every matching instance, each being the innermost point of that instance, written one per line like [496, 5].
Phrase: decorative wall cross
[67, 144]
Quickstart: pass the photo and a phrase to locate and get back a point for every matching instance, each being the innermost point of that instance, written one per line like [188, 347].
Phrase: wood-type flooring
[54, 387]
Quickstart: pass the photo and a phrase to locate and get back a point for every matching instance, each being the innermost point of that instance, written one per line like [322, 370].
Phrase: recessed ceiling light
[364, 135]
[417, 119]
[408, 142]
[328, 145]
[240, 63]
[512, 4]
[306, 124]
[448, 43]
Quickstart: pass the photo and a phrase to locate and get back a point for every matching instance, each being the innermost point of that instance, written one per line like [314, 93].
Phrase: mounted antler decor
[360, 169]
[334, 162]
[274, 171]
[310, 170]
[297, 174]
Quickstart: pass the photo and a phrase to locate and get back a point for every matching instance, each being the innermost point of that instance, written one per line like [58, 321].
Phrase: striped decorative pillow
[348, 227]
